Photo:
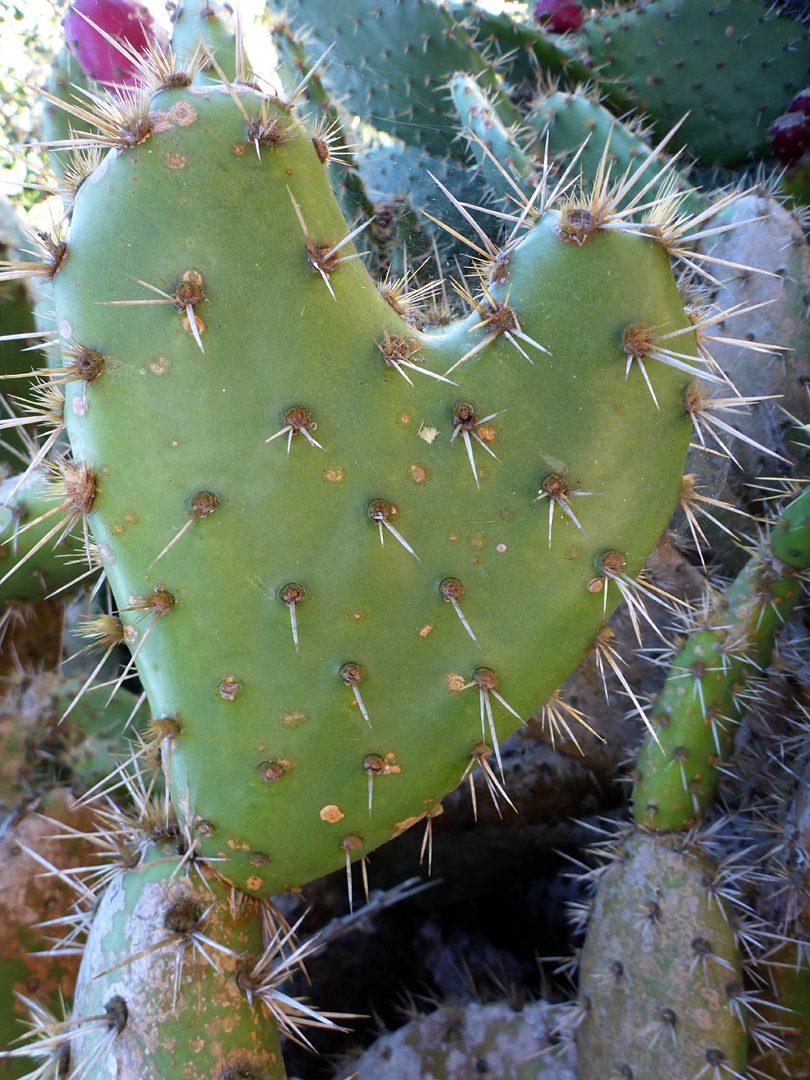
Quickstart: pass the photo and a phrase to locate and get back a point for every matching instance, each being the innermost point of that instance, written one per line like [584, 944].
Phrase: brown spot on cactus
[556, 489]
[80, 363]
[452, 590]
[374, 766]
[270, 133]
[79, 485]
[240, 1072]
[229, 688]
[464, 416]
[638, 340]
[56, 250]
[117, 1014]
[576, 225]
[161, 366]
[74, 485]
[466, 421]
[352, 674]
[203, 504]
[182, 113]
[163, 727]
[353, 842]
[160, 602]
[485, 679]
[612, 562]
[183, 916]
[555, 486]
[296, 421]
[324, 259]
[331, 813]
[293, 719]
[271, 772]
[497, 318]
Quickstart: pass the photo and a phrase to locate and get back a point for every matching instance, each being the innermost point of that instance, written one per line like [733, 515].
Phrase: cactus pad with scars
[165, 960]
[298, 420]
[656, 966]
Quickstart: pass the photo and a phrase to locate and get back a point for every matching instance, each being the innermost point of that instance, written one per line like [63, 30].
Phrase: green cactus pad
[522, 50]
[198, 21]
[280, 754]
[704, 697]
[390, 63]
[496, 127]
[575, 119]
[732, 64]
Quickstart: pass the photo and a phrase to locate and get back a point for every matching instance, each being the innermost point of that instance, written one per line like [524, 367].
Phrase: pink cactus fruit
[559, 15]
[801, 102]
[125, 21]
[789, 136]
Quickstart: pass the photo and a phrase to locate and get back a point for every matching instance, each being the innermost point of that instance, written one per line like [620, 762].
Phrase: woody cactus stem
[704, 697]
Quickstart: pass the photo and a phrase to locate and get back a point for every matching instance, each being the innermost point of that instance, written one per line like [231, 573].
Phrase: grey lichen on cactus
[167, 964]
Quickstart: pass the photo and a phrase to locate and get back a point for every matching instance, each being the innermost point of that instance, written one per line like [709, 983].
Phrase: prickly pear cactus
[391, 62]
[35, 558]
[166, 968]
[680, 55]
[658, 971]
[30, 967]
[295, 422]
[704, 697]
